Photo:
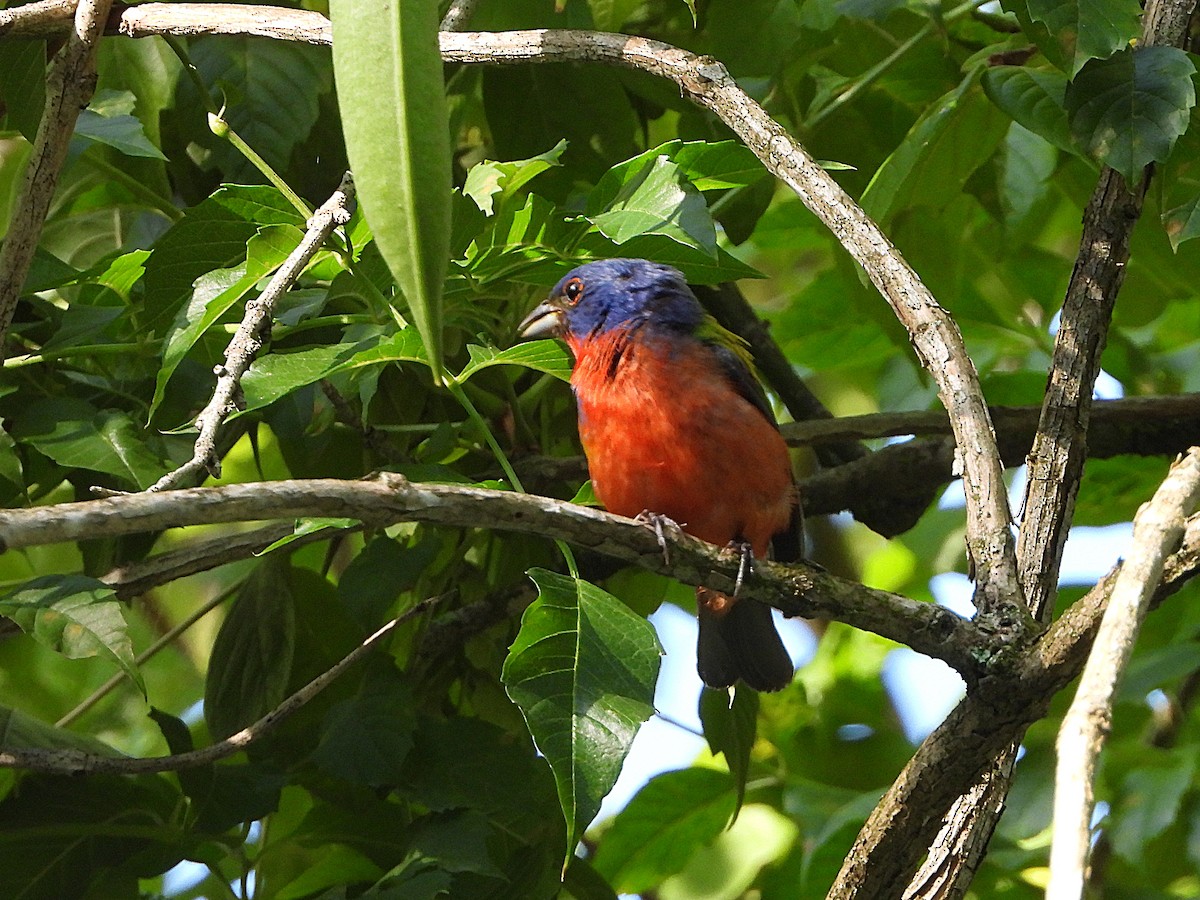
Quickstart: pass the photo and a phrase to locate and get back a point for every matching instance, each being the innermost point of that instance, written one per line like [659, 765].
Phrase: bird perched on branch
[675, 424]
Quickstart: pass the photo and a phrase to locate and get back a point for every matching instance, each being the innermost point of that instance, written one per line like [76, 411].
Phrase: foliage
[443, 765]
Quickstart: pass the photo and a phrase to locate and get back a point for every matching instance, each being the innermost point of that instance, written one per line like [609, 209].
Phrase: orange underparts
[664, 430]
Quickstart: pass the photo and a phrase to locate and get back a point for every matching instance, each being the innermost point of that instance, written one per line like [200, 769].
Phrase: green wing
[733, 356]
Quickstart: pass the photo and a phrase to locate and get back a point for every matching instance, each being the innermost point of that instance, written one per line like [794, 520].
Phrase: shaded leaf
[20, 731]
[365, 739]
[1036, 98]
[1127, 110]
[252, 655]
[582, 669]
[1150, 800]
[108, 121]
[658, 199]
[1088, 28]
[730, 726]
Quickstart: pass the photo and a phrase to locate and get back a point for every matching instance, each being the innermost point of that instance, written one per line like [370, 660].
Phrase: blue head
[615, 293]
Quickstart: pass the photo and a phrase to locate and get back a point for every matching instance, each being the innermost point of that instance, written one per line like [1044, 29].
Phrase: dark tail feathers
[739, 640]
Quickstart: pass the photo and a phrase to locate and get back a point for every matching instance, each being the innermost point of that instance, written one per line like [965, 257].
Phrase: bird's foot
[745, 554]
[661, 525]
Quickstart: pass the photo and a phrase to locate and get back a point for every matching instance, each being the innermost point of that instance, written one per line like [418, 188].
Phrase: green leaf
[252, 655]
[384, 570]
[1028, 163]
[270, 91]
[76, 616]
[658, 199]
[365, 739]
[393, 104]
[216, 291]
[582, 670]
[610, 15]
[108, 121]
[1127, 110]
[525, 243]
[309, 526]
[487, 179]
[730, 728]
[276, 375]
[953, 138]
[708, 166]
[695, 263]
[1150, 799]
[20, 731]
[1036, 98]
[666, 822]
[1088, 28]
[211, 235]
[10, 463]
[23, 84]
[546, 356]
[75, 435]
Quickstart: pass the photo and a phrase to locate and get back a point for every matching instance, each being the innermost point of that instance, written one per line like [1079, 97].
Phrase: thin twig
[1157, 530]
[247, 341]
[70, 82]
[78, 762]
[458, 15]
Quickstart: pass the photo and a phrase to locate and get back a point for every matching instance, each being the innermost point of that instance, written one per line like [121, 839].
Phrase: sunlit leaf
[665, 823]
[582, 669]
[76, 616]
[487, 179]
[545, 356]
[398, 142]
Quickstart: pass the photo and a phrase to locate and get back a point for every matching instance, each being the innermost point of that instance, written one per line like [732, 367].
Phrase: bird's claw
[745, 555]
[660, 524]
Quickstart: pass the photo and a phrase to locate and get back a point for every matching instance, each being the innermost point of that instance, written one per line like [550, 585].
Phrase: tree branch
[65, 761]
[706, 83]
[950, 762]
[796, 590]
[247, 340]
[70, 82]
[1157, 530]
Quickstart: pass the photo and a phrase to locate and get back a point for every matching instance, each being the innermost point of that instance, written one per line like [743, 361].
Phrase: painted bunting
[674, 423]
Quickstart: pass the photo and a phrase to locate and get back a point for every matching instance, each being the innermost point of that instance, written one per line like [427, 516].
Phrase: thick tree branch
[1157, 530]
[247, 340]
[796, 590]
[706, 83]
[1055, 463]
[949, 763]
[70, 81]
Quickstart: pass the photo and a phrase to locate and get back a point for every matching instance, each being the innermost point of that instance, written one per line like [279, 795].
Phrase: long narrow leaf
[392, 96]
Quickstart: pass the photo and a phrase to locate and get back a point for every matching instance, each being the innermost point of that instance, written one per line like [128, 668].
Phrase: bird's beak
[547, 320]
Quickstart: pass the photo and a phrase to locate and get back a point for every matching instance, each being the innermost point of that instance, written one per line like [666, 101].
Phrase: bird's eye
[573, 290]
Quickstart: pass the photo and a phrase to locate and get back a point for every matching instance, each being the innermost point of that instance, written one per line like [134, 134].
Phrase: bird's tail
[739, 640]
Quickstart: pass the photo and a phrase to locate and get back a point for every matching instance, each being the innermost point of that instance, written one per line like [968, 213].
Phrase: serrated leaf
[1036, 98]
[582, 669]
[76, 435]
[215, 292]
[1128, 110]
[730, 726]
[940, 152]
[271, 92]
[1088, 28]
[399, 144]
[252, 655]
[658, 199]
[547, 356]
[487, 179]
[663, 826]
[76, 616]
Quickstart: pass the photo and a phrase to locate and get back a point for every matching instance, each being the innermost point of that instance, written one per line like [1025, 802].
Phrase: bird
[676, 426]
